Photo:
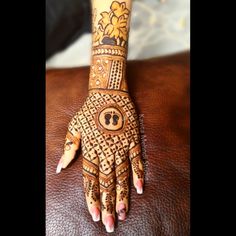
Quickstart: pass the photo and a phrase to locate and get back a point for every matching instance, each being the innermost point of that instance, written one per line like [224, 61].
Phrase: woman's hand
[107, 124]
[107, 127]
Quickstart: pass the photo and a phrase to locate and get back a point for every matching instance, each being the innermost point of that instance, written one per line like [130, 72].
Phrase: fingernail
[59, 166]
[109, 224]
[95, 214]
[139, 186]
[121, 211]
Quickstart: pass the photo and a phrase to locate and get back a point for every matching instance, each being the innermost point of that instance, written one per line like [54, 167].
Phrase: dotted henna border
[108, 50]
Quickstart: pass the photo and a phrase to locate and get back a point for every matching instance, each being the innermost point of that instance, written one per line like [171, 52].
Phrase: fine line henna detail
[112, 27]
[109, 52]
[108, 73]
[107, 124]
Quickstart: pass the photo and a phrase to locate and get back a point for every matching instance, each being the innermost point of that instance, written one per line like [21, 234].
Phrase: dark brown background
[160, 90]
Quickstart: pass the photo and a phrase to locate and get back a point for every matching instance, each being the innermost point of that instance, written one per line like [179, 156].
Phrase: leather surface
[160, 90]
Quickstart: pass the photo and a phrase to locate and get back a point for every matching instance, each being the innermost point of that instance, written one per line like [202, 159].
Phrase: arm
[111, 20]
[107, 124]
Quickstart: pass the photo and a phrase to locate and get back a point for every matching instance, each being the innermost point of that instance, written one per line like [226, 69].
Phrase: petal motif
[119, 9]
[105, 20]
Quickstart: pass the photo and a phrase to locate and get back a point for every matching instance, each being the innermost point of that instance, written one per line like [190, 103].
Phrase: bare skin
[107, 124]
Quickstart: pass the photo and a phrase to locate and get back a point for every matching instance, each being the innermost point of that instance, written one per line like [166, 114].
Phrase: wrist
[108, 68]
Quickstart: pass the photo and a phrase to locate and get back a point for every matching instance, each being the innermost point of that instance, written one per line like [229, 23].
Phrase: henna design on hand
[71, 140]
[107, 123]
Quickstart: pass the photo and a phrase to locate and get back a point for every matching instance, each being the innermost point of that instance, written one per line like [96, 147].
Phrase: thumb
[70, 147]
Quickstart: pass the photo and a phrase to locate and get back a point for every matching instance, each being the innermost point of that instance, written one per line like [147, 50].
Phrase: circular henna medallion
[111, 119]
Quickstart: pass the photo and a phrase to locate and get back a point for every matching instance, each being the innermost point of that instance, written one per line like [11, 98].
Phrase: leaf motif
[122, 22]
[123, 33]
[114, 20]
[98, 35]
[115, 33]
[105, 20]
[109, 29]
[113, 24]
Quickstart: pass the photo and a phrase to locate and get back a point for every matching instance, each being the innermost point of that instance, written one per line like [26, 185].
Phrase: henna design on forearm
[109, 51]
[112, 27]
[108, 73]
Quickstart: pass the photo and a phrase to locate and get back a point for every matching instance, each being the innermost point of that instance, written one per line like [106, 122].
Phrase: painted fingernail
[139, 186]
[95, 214]
[59, 166]
[109, 224]
[121, 211]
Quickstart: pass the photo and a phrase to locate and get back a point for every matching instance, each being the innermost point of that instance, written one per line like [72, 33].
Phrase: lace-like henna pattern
[107, 50]
[123, 187]
[136, 167]
[135, 158]
[108, 196]
[108, 72]
[107, 123]
[91, 189]
[105, 151]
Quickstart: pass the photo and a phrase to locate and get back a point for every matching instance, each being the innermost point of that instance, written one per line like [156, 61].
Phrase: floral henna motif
[112, 28]
[108, 65]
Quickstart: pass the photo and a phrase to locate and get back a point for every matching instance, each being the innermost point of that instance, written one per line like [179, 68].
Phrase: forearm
[110, 31]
